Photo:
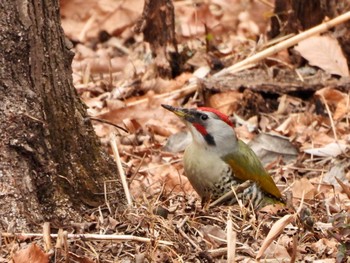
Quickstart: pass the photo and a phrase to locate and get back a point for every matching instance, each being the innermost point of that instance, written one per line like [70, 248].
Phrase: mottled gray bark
[51, 165]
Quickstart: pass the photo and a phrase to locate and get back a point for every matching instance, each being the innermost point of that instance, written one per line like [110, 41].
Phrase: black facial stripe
[209, 139]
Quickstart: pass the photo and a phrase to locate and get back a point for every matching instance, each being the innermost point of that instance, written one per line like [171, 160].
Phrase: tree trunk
[51, 165]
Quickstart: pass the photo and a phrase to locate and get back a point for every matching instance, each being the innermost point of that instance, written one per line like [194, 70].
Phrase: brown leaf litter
[165, 222]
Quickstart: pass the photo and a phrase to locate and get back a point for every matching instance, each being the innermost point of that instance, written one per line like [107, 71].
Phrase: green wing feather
[246, 166]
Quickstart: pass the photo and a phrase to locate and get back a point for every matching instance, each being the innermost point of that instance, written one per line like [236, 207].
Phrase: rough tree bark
[51, 165]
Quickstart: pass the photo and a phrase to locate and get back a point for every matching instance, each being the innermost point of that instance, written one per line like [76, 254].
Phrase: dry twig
[120, 169]
[118, 238]
[179, 227]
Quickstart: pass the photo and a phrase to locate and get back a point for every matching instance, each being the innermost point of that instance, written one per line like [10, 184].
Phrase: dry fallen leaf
[84, 19]
[214, 235]
[160, 176]
[101, 64]
[178, 142]
[79, 259]
[331, 95]
[30, 254]
[325, 260]
[275, 231]
[330, 150]
[303, 187]
[269, 147]
[277, 252]
[326, 247]
[194, 19]
[325, 53]
[226, 102]
[272, 209]
[336, 98]
[335, 173]
[345, 188]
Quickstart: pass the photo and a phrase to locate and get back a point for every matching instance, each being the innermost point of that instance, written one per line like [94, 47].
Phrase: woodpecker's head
[208, 127]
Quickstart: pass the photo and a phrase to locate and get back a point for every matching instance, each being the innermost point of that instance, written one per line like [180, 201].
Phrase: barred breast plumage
[212, 179]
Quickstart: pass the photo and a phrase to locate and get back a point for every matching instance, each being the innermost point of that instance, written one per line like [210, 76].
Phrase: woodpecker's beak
[182, 113]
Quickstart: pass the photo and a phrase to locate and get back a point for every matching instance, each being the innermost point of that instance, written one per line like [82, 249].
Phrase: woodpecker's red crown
[221, 115]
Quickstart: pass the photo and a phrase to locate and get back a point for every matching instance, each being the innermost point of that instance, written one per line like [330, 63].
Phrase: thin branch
[97, 237]
[179, 227]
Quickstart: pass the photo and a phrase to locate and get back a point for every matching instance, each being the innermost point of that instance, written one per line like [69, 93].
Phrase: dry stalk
[120, 168]
[105, 195]
[176, 94]
[137, 169]
[65, 245]
[231, 240]
[87, 27]
[295, 249]
[97, 237]
[348, 109]
[330, 118]
[47, 237]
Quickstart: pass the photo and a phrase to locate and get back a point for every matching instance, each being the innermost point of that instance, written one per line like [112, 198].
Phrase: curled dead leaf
[275, 231]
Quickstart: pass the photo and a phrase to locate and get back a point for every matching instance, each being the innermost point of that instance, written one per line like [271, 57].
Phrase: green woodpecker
[217, 160]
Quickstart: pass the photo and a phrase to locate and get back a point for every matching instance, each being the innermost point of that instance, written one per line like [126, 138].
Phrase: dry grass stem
[330, 118]
[65, 245]
[113, 144]
[62, 242]
[137, 169]
[105, 195]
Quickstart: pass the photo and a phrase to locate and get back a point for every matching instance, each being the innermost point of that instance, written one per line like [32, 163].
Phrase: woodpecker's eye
[204, 117]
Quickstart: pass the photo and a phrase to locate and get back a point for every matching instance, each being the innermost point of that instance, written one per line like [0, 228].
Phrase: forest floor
[295, 117]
